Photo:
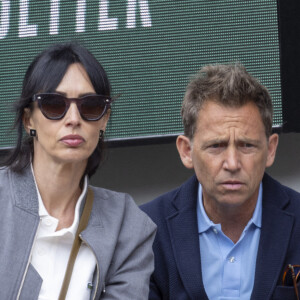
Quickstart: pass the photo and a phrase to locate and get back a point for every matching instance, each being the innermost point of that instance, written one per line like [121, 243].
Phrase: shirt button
[215, 230]
[48, 222]
[232, 259]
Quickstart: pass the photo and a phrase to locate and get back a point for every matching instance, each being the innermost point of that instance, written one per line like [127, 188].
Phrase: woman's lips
[72, 140]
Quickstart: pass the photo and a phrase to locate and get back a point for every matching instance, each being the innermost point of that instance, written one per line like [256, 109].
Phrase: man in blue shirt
[231, 230]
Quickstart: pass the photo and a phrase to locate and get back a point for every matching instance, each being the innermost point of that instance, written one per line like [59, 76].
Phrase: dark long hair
[43, 75]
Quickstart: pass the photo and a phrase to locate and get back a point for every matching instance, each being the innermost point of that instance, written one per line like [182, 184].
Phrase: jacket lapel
[274, 239]
[22, 225]
[183, 230]
[24, 190]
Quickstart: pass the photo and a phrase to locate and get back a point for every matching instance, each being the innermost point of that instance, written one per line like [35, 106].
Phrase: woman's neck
[59, 187]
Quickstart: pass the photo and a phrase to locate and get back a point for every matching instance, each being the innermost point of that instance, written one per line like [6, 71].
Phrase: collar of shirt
[52, 222]
[51, 251]
[228, 269]
[204, 223]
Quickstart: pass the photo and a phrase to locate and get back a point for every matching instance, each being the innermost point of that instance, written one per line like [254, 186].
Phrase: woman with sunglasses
[60, 237]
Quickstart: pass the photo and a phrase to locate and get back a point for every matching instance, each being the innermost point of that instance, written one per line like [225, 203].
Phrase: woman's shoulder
[104, 194]
[3, 170]
[111, 198]
[4, 175]
[118, 205]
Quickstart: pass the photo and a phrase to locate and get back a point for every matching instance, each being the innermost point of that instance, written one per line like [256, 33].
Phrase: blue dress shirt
[228, 269]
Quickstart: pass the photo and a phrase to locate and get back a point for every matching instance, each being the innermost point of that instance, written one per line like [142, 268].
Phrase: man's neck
[233, 219]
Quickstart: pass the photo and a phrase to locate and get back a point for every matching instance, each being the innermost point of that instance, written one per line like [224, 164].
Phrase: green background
[148, 66]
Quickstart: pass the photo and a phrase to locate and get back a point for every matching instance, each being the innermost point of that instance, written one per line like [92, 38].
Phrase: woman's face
[71, 139]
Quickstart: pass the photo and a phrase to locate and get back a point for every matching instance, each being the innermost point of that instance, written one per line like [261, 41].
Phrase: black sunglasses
[54, 106]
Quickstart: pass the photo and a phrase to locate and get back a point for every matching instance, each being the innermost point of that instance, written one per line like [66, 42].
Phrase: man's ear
[27, 121]
[272, 147]
[184, 147]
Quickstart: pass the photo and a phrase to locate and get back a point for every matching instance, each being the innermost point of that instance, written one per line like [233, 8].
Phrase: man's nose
[232, 159]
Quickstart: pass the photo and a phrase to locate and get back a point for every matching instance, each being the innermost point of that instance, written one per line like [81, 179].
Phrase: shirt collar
[44, 213]
[204, 223]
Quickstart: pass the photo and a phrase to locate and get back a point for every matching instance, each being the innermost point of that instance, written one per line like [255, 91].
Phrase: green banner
[149, 48]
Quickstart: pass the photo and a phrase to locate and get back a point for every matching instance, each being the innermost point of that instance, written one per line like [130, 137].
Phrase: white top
[51, 253]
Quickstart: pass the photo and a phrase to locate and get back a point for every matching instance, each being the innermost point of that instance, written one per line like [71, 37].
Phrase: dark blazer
[177, 274]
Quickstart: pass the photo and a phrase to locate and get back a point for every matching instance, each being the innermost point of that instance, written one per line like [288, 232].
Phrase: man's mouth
[232, 185]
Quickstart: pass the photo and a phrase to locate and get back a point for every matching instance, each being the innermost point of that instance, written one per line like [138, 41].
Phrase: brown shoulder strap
[77, 242]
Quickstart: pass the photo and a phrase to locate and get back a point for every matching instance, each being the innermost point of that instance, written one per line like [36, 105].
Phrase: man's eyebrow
[215, 141]
[225, 140]
[249, 141]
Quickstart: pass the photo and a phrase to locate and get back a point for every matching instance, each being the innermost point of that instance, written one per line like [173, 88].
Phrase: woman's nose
[73, 115]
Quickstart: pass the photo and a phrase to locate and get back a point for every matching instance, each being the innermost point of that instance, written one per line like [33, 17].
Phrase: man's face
[229, 153]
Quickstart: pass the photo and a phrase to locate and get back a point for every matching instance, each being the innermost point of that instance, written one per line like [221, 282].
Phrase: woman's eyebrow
[79, 96]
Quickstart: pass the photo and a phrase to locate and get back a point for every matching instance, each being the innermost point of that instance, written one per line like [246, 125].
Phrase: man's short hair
[229, 85]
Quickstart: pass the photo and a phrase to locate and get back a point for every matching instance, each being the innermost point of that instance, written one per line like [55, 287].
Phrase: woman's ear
[104, 120]
[27, 121]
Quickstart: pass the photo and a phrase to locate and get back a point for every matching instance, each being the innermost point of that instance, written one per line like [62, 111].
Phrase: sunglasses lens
[92, 107]
[53, 106]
